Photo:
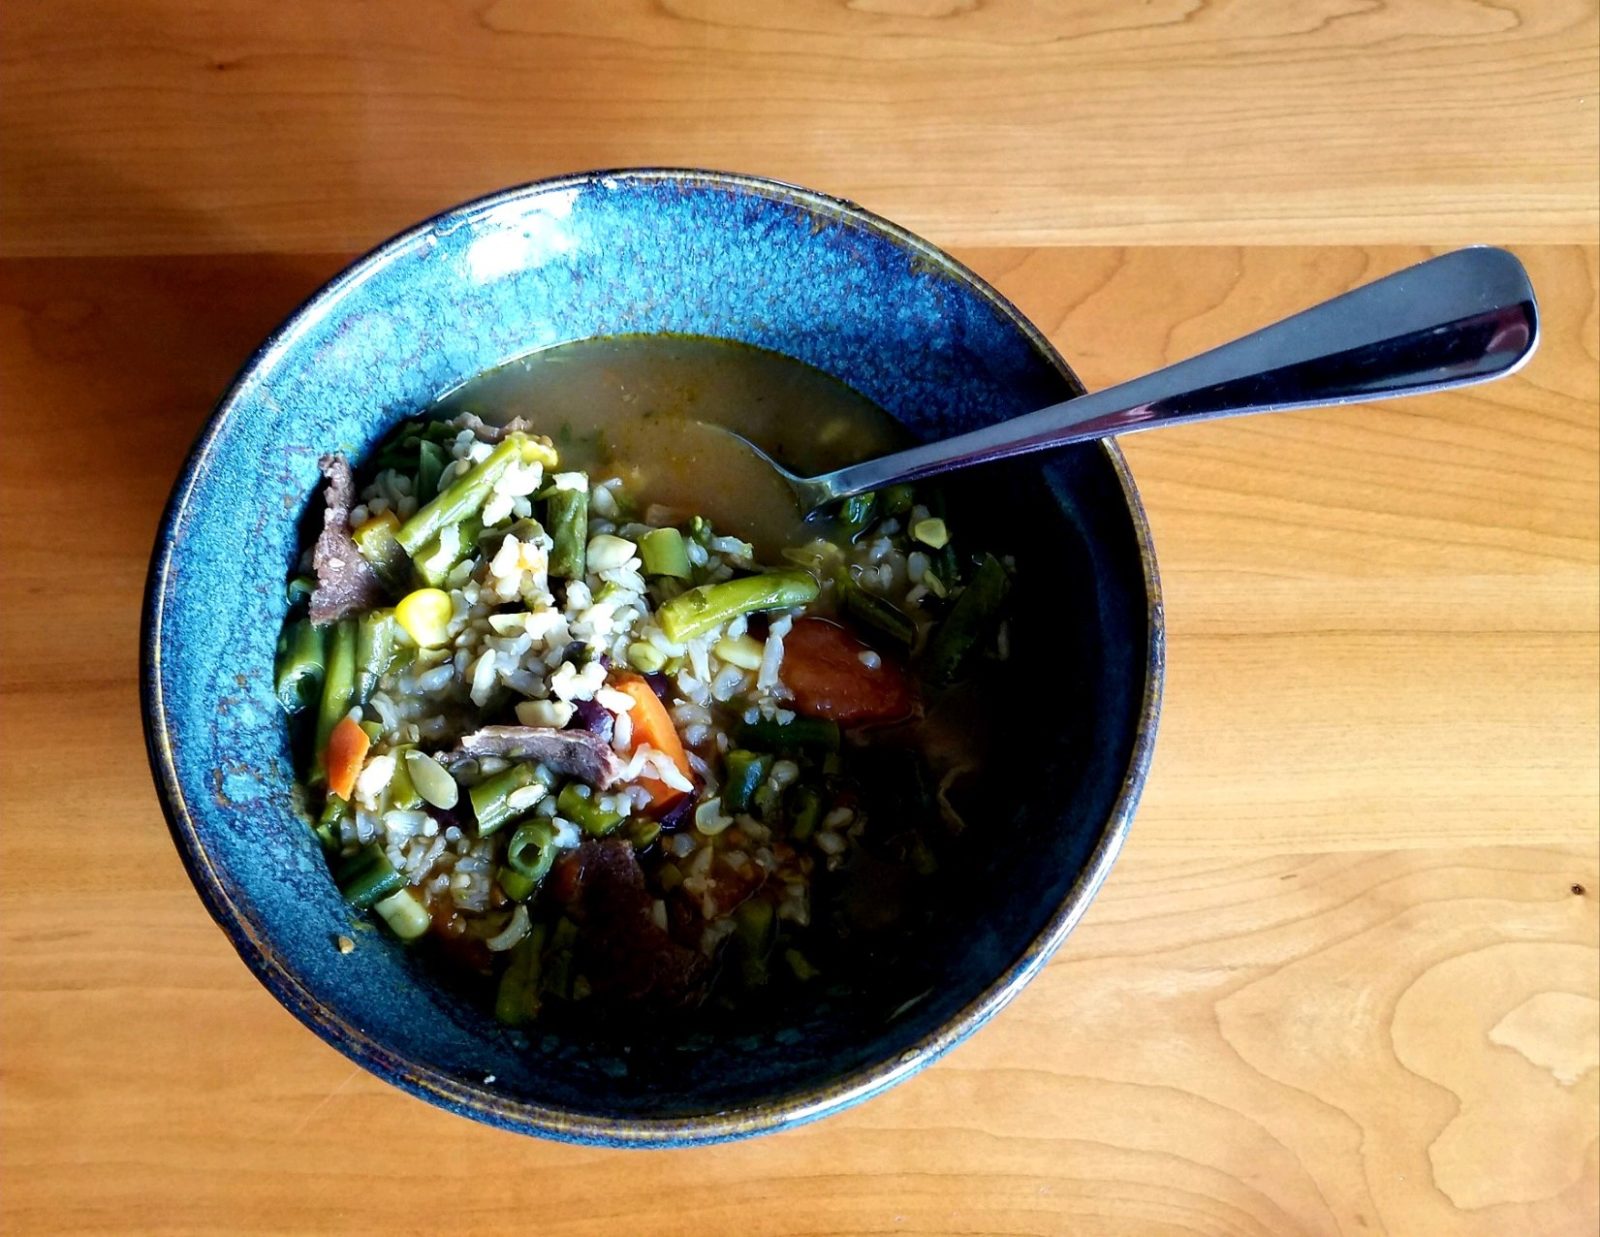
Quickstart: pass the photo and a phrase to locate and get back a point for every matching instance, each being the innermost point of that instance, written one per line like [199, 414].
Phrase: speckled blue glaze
[600, 254]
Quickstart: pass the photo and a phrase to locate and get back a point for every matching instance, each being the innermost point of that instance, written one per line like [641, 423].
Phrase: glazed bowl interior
[650, 252]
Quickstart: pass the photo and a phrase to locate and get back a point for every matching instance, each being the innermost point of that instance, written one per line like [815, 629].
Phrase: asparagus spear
[700, 609]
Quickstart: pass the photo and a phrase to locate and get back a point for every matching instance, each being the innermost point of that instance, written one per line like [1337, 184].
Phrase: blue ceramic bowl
[794, 271]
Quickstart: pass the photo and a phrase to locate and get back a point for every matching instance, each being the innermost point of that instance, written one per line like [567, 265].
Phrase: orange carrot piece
[347, 748]
[652, 725]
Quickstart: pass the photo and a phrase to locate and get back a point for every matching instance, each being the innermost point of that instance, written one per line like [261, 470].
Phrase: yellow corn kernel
[425, 615]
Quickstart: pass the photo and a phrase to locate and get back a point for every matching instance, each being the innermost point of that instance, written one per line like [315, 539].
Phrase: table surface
[1344, 977]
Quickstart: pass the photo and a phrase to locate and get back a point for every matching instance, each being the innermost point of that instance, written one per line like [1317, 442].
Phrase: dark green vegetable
[567, 519]
[802, 732]
[856, 513]
[872, 611]
[368, 876]
[746, 773]
[700, 609]
[947, 566]
[558, 959]
[897, 499]
[431, 459]
[766, 802]
[402, 792]
[531, 850]
[338, 691]
[375, 632]
[700, 530]
[517, 998]
[641, 831]
[491, 797]
[754, 929]
[970, 620]
[663, 554]
[327, 826]
[805, 811]
[302, 649]
[300, 588]
[576, 804]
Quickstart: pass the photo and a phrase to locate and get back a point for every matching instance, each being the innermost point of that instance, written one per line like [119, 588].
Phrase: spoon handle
[1465, 317]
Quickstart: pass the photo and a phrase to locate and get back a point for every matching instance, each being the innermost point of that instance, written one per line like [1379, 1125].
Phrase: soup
[590, 712]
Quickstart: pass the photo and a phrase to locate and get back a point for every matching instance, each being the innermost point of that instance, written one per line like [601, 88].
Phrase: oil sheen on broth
[636, 407]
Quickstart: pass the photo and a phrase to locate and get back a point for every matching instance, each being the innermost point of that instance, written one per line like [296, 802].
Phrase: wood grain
[1342, 981]
[302, 126]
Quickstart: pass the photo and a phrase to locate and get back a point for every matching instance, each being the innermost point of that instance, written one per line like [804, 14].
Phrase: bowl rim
[474, 1099]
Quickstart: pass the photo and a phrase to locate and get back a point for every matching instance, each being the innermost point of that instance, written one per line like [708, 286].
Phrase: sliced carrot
[347, 748]
[822, 666]
[652, 725]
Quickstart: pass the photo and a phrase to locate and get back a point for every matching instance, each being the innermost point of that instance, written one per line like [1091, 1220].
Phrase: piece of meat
[822, 667]
[485, 432]
[346, 582]
[626, 955]
[576, 753]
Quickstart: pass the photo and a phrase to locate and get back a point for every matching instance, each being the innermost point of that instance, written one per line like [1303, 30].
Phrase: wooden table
[1344, 977]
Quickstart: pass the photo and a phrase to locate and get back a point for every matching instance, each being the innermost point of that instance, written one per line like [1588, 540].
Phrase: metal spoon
[1462, 318]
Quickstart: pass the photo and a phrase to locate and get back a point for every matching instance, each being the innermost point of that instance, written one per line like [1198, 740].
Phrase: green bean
[700, 609]
[872, 611]
[805, 811]
[578, 806]
[489, 540]
[515, 885]
[327, 826]
[374, 651]
[856, 513]
[402, 792]
[516, 1000]
[802, 732]
[375, 540]
[645, 657]
[531, 850]
[466, 495]
[368, 876]
[567, 518]
[558, 960]
[492, 802]
[338, 691]
[767, 801]
[404, 913]
[897, 499]
[431, 459]
[746, 773]
[663, 554]
[436, 560]
[642, 831]
[301, 652]
[754, 928]
[971, 618]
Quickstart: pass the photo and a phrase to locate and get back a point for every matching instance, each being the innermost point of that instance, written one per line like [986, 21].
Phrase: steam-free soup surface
[637, 407]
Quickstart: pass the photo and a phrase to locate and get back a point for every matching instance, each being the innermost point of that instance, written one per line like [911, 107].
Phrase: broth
[635, 407]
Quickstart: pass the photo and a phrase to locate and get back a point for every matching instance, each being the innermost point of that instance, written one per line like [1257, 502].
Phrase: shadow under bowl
[627, 252]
